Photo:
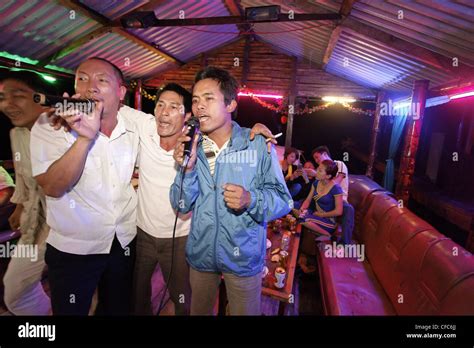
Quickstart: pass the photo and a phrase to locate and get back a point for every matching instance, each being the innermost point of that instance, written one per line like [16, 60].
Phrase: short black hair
[321, 149]
[291, 150]
[117, 70]
[179, 90]
[32, 79]
[227, 83]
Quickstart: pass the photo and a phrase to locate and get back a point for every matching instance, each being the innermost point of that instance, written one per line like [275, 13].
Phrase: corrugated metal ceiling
[185, 43]
[442, 26]
[134, 60]
[302, 39]
[113, 9]
[36, 28]
[373, 64]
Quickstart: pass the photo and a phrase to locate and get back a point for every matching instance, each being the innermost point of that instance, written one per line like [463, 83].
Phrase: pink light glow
[274, 96]
[462, 95]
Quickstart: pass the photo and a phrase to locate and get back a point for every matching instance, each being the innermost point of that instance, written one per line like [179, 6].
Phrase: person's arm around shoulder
[139, 119]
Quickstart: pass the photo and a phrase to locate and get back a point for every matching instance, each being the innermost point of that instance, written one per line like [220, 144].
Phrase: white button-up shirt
[102, 203]
[157, 169]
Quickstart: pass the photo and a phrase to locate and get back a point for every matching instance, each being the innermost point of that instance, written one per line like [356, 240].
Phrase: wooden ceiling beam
[344, 11]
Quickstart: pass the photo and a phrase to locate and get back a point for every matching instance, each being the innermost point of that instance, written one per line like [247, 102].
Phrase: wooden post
[291, 105]
[374, 135]
[138, 95]
[246, 66]
[412, 137]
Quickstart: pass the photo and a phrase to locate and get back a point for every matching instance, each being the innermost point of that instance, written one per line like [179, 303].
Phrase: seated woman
[288, 169]
[327, 198]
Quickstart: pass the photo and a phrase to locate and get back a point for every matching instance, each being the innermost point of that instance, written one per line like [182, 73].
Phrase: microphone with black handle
[66, 103]
[193, 126]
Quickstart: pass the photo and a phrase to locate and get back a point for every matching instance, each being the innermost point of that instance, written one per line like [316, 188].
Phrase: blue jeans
[294, 189]
[347, 222]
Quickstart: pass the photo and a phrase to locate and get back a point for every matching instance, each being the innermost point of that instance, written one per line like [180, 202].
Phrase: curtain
[397, 130]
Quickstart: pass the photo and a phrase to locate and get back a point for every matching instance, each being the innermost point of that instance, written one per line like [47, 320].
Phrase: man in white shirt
[24, 293]
[91, 204]
[155, 215]
[320, 154]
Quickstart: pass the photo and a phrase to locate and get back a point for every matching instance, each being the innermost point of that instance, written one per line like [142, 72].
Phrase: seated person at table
[288, 169]
[320, 154]
[308, 168]
[327, 197]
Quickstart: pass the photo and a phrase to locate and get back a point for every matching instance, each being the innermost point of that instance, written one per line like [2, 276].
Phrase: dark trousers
[347, 223]
[150, 252]
[74, 278]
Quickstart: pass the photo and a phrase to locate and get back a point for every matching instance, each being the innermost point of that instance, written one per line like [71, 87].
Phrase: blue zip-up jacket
[221, 239]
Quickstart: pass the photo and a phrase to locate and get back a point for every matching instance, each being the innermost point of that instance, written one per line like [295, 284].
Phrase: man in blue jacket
[234, 187]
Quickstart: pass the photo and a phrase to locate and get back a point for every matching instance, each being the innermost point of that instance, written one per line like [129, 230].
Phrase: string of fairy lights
[279, 106]
[144, 92]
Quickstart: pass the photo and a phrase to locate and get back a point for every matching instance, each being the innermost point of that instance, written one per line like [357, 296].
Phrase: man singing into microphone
[91, 204]
[233, 187]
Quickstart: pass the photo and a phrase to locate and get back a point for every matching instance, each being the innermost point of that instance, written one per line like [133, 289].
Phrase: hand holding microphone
[81, 115]
[61, 106]
[64, 102]
[185, 152]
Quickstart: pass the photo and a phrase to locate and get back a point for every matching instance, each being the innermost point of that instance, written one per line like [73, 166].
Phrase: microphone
[85, 105]
[193, 125]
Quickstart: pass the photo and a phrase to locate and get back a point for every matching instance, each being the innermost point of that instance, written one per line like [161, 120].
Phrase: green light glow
[48, 78]
[18, 58]
[58, 68]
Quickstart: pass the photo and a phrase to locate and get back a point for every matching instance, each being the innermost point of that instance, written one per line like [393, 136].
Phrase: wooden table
[284, 295]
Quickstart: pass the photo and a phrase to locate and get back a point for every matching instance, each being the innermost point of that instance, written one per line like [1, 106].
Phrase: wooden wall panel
[269, 72]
